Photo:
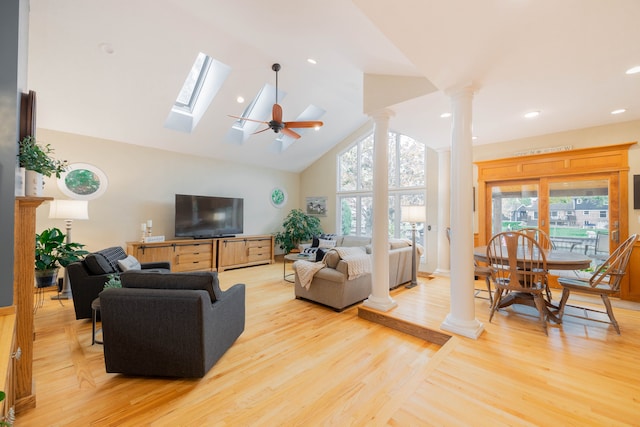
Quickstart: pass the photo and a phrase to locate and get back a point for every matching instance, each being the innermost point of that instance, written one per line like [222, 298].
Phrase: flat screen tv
[203, 217]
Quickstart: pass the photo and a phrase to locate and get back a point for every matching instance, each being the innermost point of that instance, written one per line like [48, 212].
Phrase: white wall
[142, 185]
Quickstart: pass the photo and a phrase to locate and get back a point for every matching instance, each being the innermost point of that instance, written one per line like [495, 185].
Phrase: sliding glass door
[576, 212]
[514, 205]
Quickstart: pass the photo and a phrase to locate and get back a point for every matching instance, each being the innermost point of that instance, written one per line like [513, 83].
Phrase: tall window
[407, 185]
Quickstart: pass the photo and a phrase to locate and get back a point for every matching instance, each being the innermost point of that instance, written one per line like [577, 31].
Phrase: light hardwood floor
[300, 364]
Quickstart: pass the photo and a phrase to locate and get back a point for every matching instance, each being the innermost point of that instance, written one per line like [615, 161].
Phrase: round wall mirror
[82, 181]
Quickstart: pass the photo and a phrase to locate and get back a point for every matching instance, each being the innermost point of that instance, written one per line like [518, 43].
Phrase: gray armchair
[171, 325]
[87, 277]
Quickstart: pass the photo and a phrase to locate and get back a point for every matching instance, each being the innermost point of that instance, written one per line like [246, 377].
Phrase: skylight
[260, 109]
[204, 80]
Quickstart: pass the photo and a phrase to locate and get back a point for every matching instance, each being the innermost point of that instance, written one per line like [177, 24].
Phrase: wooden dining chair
[545, 243]
[518, 271]
[605, 281]
[539, 236]
[479, 272]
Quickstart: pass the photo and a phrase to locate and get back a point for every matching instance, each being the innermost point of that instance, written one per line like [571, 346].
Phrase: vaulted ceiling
[112, 69]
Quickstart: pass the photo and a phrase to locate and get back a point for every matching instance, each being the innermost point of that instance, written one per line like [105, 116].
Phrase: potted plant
[298, 227]
[38, 162]
[53, 252]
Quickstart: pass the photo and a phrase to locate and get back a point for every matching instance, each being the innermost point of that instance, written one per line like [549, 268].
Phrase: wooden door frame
[610, 159]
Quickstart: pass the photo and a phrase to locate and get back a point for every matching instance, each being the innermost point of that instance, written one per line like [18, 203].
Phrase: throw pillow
[326, 236]
[129, 263]
[326, 243]
[320, 254]
[97, 264]
[315, 242]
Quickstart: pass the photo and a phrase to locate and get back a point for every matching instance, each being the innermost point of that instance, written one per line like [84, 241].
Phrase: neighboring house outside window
[407, 185]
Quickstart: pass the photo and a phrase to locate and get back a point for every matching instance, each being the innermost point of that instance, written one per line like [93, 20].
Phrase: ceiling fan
[276, 124]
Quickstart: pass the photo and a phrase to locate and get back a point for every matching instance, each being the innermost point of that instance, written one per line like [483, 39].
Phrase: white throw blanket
[357, 259]
[306, 270]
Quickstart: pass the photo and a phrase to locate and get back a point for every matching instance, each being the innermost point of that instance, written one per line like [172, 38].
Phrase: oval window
[83, 181]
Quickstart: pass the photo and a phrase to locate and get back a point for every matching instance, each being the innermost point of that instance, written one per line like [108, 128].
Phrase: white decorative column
[461, 319]
[444, 187]
[380, 298]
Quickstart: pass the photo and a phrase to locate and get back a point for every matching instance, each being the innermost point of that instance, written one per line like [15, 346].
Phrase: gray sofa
[330, 286]
[169, 325]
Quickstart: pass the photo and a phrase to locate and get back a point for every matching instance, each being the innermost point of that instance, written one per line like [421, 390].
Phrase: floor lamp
[68, 210]
[413, 215]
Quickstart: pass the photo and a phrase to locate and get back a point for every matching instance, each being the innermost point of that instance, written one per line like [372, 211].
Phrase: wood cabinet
[207, 254]
[630, 285]
[234, 252]
[184, 255]
[23, 279]
[195, 257]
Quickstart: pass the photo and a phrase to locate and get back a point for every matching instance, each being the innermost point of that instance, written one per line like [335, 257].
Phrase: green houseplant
[53, 252]
[39, 158]
[298, 227]
[36, 161]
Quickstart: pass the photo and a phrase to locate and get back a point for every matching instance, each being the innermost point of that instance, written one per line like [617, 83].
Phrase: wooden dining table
[556, 260]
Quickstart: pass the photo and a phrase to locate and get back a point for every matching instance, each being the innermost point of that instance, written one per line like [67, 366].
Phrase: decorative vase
[46, 278]
[34, 183]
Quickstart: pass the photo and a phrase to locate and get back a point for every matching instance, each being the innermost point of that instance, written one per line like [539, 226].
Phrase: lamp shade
[69, 209]
[413, 214]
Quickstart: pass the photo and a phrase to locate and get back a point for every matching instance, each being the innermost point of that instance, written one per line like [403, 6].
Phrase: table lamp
[413, 215]
[68, 210]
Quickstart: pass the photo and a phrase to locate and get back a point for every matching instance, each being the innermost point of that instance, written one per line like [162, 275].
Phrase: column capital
[466, 89]
[382, 114]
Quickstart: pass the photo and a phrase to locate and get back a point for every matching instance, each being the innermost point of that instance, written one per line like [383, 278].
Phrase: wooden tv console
[216, 254]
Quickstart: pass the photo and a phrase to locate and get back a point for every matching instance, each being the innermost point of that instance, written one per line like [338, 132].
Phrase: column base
[442, 272]
[380, 304]
[470, 329]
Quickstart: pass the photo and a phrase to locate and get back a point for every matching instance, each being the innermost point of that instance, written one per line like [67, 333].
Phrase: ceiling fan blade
[260, 131]
[290, 133]
[247, 119]
[277, 113]
[308, 124]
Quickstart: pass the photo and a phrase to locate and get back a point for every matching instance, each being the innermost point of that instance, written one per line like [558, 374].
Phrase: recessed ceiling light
[633, 70]
[618, 111]
[474, 137]
[532, 114]
[240, 100]
[312, 61]
[445, 115]
[106, 48]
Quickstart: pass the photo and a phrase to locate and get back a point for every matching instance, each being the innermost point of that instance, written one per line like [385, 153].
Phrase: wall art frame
[316, 206]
